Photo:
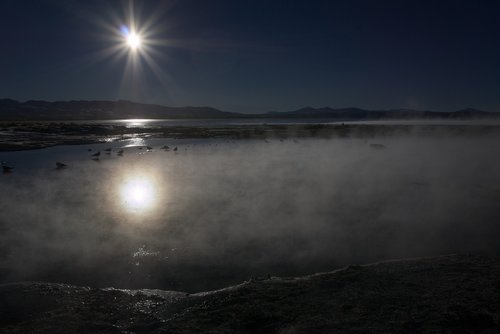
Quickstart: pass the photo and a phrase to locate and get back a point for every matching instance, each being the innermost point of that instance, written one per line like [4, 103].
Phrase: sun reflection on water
[136, 122]
[138, 194]
[134, 142]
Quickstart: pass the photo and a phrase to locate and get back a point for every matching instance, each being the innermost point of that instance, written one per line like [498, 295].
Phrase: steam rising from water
[212, 215]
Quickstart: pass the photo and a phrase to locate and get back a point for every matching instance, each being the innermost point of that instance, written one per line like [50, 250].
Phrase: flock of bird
[120, 152]
[95, 156]
[6, 169]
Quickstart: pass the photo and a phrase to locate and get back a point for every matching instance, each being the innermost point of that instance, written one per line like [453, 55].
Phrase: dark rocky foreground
[448, 294]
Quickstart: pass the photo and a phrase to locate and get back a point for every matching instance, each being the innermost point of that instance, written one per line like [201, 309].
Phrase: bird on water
[6, 169]
[60, 165]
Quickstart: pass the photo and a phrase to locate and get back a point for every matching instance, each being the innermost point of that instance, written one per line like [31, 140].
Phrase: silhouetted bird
[165, 147]
[120, 152]
[175, 148]
[149, 148]
[6, 169]
[60, 165]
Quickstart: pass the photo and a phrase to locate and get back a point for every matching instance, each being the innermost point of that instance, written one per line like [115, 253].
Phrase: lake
[216, 212]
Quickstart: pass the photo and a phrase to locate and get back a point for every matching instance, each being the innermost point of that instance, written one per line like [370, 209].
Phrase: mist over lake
[217, 212]
[249, 167]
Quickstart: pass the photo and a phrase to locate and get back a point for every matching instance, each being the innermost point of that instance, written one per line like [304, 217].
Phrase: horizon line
[249, 113]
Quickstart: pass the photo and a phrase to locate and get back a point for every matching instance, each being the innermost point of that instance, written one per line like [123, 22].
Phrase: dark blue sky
[254, 56]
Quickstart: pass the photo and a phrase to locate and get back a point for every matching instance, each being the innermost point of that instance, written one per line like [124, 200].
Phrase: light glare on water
[138, 194]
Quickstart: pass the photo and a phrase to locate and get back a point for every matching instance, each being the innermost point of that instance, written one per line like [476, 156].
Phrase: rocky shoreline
[17, 136]
[447, 294]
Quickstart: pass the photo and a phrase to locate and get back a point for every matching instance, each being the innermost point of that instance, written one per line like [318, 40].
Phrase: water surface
[216, 212]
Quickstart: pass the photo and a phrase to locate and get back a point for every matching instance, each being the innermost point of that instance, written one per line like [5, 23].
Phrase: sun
[138, 43]
[134, 41]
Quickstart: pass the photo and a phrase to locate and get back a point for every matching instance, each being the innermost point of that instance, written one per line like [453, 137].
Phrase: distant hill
[359, 114]
[102, 110]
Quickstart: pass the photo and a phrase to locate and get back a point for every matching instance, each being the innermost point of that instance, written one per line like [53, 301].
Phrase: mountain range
[11, 110]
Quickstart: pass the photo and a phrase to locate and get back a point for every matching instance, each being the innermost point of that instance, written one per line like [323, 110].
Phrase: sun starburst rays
[138, 41]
